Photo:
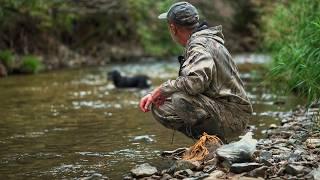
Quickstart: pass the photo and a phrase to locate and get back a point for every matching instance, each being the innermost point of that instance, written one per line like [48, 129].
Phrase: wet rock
[315, 173]
[282, 147]
[143, 138]
[175, 154]
[249, 178]
[265, 155]
[209, 168]
[273, 126]
[238, 152]
[166, 177]
[155, 177]
[244, 167]
[95, 176]
[185, 164]
[259, 172]
[183, 173]
[143, 170]
[284, 121]
[127, 177]
[313, 143]
[265, 158]
[215, 175]
[294, 169]
[294, 157]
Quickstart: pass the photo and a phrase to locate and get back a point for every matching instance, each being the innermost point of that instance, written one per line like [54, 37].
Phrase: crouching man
[208, 95]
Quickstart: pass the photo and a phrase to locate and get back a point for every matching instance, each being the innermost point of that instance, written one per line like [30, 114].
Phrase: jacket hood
[212, 32]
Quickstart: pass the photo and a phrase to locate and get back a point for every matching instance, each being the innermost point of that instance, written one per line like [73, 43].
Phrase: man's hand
[145, 103]
[155, 97]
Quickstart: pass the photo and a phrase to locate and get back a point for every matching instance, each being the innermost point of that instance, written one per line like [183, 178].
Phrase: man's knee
[182, 101]
[189, 107]
[166, 117]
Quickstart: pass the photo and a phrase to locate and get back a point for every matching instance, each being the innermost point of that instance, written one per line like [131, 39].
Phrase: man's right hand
[145, 102]
[155, 97]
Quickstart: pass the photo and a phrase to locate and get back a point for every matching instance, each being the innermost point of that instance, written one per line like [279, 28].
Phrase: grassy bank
[292, 34]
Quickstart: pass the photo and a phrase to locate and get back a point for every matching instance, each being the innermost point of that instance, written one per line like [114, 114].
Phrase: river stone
[265, 155]
[294, 169]
[185, 164]
[316, 173]
[183, 173]
[166, 177]
[244, 167]
[273, 126]
[249, 178]
[143, 170]
[238, 152]
[313, 143]
[95, 176]
[259, 172]
[217, 174]
[294, 157]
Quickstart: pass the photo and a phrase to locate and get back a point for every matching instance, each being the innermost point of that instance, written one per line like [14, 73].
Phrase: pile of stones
[289, 151]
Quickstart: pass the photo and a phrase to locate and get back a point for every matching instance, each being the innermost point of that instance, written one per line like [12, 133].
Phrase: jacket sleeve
[198, 77]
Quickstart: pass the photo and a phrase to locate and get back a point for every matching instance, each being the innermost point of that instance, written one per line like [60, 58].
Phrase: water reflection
[73, 124]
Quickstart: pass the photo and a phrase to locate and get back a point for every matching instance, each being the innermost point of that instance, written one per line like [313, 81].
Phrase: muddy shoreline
[288, 151]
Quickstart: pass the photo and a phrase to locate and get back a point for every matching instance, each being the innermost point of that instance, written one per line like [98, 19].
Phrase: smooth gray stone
[244, 167]
[259, 172]
[294, 169]
[143, 170]
[316, 173]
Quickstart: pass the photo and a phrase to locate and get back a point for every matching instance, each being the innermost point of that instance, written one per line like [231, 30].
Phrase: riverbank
[288, 151]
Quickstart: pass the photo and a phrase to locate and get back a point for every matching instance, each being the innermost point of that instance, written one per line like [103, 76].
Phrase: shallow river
[74, 123]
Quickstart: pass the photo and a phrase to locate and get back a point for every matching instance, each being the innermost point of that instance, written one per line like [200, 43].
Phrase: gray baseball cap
[182, 13]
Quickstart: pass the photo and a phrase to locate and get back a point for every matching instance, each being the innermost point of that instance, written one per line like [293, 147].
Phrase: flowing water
[74, 123]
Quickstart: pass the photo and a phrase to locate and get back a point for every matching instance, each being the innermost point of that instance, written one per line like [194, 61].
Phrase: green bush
[7, 58]
[292, 33]
[31, 64]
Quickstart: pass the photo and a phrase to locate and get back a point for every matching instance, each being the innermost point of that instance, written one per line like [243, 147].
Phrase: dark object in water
[139, 81]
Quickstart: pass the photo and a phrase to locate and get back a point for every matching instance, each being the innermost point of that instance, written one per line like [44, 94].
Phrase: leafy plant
[31, 64]
[292, 33]
[7, 58]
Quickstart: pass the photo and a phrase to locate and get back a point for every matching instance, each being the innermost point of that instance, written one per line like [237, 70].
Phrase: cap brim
[163, 16]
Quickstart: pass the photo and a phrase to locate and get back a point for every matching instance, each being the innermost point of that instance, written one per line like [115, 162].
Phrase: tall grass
[292, 33]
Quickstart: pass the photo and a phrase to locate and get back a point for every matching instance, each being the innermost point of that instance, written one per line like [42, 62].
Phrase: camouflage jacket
[209, 70]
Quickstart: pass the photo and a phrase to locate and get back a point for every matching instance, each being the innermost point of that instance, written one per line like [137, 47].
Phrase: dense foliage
[292, 33]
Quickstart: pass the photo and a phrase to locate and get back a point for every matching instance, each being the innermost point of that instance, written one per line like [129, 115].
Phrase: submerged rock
[144, 138]
[143, 170]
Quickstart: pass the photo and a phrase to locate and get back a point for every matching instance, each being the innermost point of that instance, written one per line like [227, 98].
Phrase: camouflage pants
[193, 115]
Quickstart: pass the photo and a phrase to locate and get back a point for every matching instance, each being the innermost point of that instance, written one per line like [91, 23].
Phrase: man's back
[225, 80]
